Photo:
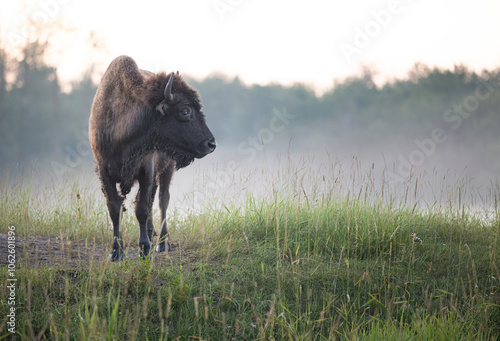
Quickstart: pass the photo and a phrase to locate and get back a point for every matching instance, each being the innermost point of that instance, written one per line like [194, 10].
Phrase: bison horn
[168, 89]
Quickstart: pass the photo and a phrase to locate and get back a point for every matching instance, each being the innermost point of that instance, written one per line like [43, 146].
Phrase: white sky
[261, 41]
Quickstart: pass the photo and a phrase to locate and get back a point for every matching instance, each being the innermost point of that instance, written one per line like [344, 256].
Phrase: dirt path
[49, 251]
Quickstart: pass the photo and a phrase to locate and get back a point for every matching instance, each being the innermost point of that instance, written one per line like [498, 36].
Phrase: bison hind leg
[161, 246]
[164, 197]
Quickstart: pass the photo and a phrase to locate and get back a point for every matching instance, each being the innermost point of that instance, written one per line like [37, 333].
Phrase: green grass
[314, 257]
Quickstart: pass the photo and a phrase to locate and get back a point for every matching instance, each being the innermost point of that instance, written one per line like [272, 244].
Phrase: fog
[226, 180]
[427, 140]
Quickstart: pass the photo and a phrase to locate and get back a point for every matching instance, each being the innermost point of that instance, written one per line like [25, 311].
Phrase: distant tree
[34, 99]
[40, 121]
[3, 73]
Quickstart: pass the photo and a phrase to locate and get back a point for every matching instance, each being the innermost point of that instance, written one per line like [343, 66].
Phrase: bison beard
[132, 165]
[143, 126]
[182, 159]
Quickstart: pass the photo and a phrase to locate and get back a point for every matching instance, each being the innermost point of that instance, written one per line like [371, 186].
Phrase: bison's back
[116, 107]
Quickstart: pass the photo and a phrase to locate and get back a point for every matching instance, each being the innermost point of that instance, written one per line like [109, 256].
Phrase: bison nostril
[211, 145]
[207, 146]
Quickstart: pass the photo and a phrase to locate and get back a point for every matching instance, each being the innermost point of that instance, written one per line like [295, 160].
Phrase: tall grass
[296, 251]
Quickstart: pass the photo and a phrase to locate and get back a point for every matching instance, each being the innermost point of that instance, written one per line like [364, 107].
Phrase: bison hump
[139, 85]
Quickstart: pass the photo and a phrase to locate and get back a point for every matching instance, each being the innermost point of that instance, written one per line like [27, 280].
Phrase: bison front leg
[151, 229]
[164, 198]
[143, 209]
[114, 203]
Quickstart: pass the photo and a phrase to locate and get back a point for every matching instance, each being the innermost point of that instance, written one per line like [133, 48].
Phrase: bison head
[183, 129]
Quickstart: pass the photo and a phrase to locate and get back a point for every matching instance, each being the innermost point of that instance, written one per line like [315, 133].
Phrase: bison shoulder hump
[123, 73]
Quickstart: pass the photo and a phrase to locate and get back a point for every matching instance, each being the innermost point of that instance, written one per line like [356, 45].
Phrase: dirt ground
[49, 251]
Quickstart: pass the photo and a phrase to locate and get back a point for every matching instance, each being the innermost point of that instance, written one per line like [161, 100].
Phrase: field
[292, 252]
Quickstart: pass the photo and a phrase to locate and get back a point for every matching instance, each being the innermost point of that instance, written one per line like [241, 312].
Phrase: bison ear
[167, 93]
[162, 107]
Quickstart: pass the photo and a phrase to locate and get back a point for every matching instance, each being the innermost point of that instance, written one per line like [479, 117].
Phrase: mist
[436, 126]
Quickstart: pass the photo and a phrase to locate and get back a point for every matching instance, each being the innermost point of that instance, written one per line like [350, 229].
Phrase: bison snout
[208, 146]
[211, 145]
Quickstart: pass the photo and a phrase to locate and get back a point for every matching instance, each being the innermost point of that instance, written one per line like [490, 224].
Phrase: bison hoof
[161, 247]
[148, 256]
[116, 255]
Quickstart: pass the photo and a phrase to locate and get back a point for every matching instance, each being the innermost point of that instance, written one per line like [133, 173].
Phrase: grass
[319, 254]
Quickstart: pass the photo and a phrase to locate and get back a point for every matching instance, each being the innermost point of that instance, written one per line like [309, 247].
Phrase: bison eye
[186, 112]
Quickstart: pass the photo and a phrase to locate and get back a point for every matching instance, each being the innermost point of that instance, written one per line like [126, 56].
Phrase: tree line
[41, 122]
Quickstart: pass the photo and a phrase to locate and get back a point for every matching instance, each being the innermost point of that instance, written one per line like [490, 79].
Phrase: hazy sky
[285, 41]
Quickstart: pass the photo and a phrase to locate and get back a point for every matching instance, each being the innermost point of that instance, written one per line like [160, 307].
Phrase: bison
[143, 126]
